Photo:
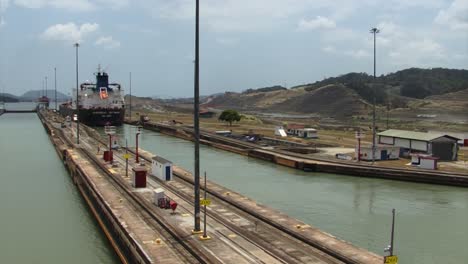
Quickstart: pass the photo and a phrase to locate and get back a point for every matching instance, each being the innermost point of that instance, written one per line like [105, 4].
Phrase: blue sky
[244, 43]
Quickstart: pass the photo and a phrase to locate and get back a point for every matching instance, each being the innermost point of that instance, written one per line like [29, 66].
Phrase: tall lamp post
[374, 31]
[46, 86]
[138, 132]
[55, 86]
[196, 228]
[130, 108]
[77, 98]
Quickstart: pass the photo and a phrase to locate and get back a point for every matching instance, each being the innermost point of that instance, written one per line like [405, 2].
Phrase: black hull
[96, 117]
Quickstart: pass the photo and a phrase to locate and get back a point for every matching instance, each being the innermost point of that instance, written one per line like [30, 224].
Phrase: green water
[431, 221]
[43, 218]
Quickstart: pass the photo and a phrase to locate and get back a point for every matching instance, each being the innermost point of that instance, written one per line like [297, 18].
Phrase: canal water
[431, 220]
[43, 218]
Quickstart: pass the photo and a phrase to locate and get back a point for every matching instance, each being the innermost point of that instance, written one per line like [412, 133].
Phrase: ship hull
[96, 117]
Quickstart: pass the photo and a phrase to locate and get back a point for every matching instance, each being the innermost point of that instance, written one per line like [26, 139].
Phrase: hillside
[353, 93]
[412, 83]
[337, 100]
[34, 94]
[8, 98]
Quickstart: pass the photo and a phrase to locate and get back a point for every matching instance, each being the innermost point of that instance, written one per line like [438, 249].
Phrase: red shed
[139, 177]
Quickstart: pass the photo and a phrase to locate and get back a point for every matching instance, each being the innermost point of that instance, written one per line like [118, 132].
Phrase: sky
[243, 43]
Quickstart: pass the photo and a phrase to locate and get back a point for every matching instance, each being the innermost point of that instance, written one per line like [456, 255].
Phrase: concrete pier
[297, 161]
[241, 230]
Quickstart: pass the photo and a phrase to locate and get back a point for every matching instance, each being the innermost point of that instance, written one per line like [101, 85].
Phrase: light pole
[130, 108]
[136, 140]
[77, 98]
[374, 31]
[55, 86]
[46, 86]
[196, 228]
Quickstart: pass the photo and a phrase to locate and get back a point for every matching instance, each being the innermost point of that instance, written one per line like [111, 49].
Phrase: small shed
[206, 114]
[307, 133]
[382, 152]
[158, 194]
[161, 168]
[138, 177]
[424, 161]
[292, 129]
[443, 146]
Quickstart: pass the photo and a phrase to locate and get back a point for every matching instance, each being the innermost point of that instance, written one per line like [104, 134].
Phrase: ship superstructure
[99, 104]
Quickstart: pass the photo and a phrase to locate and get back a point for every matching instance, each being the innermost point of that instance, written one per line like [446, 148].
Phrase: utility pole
[374, 31]
[391, 258]
[393, 232]
[46, 86]
[55, 86]
[77, 99]
[196, 228]
[130, 108]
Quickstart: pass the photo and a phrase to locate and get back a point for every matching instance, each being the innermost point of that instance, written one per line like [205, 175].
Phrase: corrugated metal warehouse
[438, 145]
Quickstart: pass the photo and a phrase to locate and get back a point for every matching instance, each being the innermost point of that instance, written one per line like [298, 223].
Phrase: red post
[359, 149]
[136, 154]
[110, 148]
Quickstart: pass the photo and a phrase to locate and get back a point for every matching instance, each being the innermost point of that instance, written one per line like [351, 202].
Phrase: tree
[229, 116]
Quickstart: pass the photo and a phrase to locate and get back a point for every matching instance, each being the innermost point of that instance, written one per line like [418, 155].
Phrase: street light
[196, 98]
[130, 108]
[138, 132]
[374, 31]
[76, 45]
[55, 86]
[46, 86]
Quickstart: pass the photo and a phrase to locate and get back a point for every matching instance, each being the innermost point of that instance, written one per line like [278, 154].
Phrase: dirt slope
[329, 100]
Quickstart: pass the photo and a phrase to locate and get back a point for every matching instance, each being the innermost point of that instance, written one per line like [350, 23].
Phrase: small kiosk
[139, 177]
[161, 168]
[424, 161]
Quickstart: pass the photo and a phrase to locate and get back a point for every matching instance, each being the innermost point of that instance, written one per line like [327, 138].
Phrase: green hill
[413, 83]
[8, 98]
[34, 94]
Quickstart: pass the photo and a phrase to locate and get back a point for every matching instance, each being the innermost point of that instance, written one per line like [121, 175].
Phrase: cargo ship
[99, 104]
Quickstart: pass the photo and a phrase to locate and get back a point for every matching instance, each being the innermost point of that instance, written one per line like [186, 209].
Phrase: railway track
[332, 255]
[208, 258]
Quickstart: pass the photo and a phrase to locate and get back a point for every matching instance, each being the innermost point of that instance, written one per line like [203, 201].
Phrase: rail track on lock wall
[266, 245]
[278, 253]
[184, 247]
[263, 219]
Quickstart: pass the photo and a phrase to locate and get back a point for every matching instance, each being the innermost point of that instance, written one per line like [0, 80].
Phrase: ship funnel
[102, 80]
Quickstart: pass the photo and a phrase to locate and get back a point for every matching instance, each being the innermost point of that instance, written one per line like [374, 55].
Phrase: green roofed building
[438, 145]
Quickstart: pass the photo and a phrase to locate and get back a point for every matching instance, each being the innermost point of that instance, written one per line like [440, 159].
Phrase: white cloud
[113, 4]
[236, 15]
[318, 23]
[73, 5]
[358, 54]
[227, 41]
[2, 22]
[455, 16]
[3, 5]
[69, 32]
[426, 52]
[107, 42]
[329, 49]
